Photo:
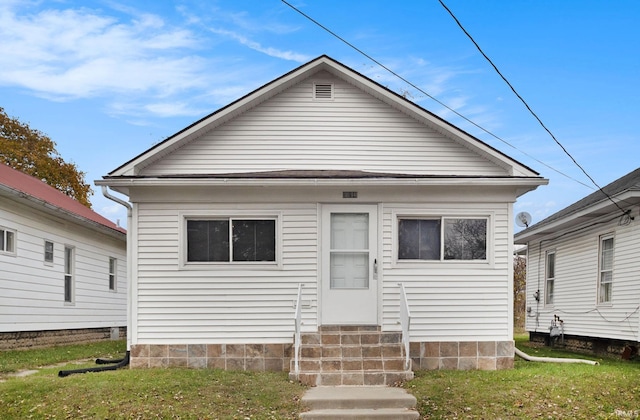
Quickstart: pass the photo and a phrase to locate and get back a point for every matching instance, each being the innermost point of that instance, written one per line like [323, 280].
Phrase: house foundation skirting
[598, 346]
[462, 355]
[251, 357]
[20, 340]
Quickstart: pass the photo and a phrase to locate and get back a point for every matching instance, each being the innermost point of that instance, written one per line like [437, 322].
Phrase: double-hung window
[231, 239]
[7, 241]
[605, 279]
[48, 252]
[550, 277]
[442, 238]
[68, 274]
[113, 268]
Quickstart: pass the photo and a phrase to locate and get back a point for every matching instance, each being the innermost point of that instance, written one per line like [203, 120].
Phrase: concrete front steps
[359, 402]
[351, 355]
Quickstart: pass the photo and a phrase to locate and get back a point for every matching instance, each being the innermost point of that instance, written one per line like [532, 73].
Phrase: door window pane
[349, 252]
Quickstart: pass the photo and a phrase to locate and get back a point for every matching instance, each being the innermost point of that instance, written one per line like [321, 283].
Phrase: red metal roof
[35, 188]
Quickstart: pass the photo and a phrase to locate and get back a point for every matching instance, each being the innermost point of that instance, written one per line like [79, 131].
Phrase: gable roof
[624, 191]
[37, 194]
[135, 166]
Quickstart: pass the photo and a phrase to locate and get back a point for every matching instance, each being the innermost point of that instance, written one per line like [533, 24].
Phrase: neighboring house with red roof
[62, 267]
[326, 179]
[583, 271]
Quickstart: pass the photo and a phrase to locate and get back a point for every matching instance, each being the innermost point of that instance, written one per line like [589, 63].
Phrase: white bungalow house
[326, 179]
[62, 267]
[582, 272]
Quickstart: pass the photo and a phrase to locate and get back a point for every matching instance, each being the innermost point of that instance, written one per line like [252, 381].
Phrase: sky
[107, 80]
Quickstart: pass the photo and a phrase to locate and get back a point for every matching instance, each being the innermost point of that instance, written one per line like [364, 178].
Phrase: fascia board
[579, 217]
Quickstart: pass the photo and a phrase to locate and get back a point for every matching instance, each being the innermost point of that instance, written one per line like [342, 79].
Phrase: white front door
[349, 265]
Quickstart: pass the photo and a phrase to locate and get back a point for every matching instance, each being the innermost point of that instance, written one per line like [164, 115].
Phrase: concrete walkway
[359, 402]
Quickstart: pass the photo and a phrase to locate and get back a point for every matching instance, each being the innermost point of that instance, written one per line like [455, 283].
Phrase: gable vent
[323, 91]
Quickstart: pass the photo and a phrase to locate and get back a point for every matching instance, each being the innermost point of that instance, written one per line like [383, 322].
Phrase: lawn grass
[531, 390]
[16, 360]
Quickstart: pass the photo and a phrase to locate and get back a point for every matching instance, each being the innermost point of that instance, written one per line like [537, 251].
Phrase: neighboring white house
[62, 267]
[324, 178]
[583, 269]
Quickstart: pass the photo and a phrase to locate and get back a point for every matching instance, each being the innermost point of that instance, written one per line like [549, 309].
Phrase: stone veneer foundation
[463, 355]
[252, 357]
[20, 340]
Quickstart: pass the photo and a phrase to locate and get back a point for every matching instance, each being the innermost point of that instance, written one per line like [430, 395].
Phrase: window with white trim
[69, 262]
[605, 275]
[113, 268]
[442, 238]
[7, 241]
[231, 239]
[550, 277]
[48, 252]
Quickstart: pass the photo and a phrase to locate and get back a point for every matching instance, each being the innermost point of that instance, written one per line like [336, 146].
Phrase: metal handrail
[298, 322]
[405, 324]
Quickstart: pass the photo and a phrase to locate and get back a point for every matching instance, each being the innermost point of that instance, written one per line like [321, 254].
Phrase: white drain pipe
[553, 359]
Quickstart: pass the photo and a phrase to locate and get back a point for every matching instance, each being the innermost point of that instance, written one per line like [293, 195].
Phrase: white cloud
[270, 51]
[139, 62]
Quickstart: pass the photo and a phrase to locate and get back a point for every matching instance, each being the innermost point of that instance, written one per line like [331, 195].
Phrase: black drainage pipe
[112, 365]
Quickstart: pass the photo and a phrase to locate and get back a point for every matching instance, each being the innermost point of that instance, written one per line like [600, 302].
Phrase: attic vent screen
[323, 91]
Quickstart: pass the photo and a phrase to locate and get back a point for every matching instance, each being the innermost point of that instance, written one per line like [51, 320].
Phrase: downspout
[107, 194]
[115, 364]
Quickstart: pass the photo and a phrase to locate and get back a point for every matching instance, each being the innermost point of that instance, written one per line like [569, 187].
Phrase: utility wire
[529, 108]
[431, 97]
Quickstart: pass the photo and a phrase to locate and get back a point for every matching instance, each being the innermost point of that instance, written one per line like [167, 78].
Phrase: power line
[429, 96]
[529, 108]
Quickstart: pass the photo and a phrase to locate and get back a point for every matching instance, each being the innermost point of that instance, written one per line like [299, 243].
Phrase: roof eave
[54, 210]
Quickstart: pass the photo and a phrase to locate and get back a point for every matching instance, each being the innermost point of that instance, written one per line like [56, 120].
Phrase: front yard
[531, 390]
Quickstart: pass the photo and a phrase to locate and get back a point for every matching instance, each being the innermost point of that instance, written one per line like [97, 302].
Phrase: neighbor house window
[7, 241]
[605, 281]
[550, 276]
[231, 240]
[68, 274]
[113, 267]
[442, 238]
[48, 252]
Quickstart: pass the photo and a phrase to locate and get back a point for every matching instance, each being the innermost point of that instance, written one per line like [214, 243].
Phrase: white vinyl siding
[33, 292]
[233, 303]
[576, 298]
[451, 300]
[352, 131]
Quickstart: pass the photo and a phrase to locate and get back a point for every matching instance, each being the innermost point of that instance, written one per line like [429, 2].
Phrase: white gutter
[107, 194]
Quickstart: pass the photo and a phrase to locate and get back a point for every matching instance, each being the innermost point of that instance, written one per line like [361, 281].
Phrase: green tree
[32, 152]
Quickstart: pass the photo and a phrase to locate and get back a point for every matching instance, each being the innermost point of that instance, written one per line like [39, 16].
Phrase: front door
[349, 265]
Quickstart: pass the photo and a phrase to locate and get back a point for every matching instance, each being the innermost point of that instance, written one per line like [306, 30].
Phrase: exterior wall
[576, 283]
[352, 131]
[173, 305]
[33, 291]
